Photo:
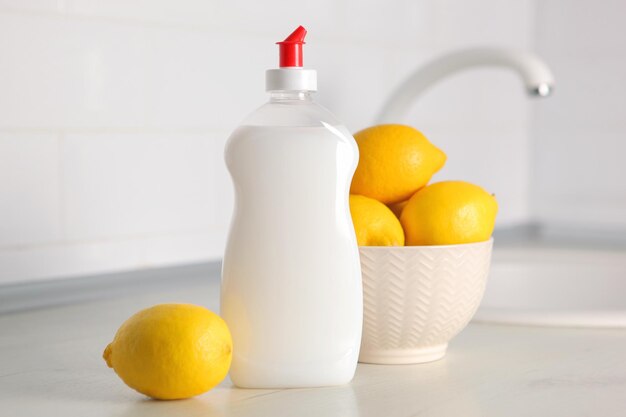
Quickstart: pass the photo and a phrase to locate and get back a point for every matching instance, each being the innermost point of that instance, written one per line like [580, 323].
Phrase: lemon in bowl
[394, 162]
[448, 213]
[416, 297]
[374, 223]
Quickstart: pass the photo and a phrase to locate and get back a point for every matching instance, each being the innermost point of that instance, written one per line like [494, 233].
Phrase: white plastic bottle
[291, 280]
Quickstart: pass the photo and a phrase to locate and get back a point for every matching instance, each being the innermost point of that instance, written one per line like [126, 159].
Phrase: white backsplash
[114, 114]
[579, 135]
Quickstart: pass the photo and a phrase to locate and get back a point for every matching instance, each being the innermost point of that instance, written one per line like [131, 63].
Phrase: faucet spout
[533, 71]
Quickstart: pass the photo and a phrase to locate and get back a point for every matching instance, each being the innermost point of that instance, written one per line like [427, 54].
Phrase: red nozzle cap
[290, 50]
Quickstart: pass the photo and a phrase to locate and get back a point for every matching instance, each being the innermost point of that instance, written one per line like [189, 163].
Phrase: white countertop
[50, 364]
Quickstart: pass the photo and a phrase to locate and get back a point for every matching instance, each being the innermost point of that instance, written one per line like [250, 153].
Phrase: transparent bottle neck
[285, 96]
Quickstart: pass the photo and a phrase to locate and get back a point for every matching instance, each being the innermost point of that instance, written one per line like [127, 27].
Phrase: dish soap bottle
[291, 280]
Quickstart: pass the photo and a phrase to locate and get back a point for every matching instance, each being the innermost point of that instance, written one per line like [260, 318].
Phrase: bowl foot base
[403, 356]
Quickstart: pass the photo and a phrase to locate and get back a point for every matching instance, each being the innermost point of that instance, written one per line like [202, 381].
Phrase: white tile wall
[494, 22]
[114, 114]
[70, 73]
[580, 134]
[259, 18]
[181, 12]
[205, 81]
[578, 29]
[30, 203]
[125, 185]
[47, 261]
[37, 6]
[344, 74]
[405, 23]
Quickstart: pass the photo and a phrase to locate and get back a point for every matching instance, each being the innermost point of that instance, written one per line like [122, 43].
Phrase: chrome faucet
[533, 71]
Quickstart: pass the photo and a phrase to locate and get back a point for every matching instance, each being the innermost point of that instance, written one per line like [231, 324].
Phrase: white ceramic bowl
[417, 298]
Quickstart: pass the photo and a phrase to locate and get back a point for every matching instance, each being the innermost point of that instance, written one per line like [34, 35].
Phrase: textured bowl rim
[427, 247]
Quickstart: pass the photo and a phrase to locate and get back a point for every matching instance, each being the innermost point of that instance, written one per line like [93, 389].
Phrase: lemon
[395, 161]
[374, 223]
[171, 351]
[449, 212]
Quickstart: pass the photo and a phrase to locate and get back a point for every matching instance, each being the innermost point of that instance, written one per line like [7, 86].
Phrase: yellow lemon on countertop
[449, 212]
[374, 223]
[171, 351]
[394, 162]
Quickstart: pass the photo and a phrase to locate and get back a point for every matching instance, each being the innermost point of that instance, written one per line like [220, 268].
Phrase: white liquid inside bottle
[291, 280]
